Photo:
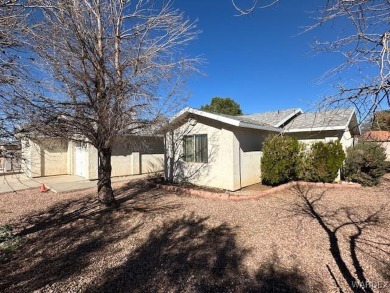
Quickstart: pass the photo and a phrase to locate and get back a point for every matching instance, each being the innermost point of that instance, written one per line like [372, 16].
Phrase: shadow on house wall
[177, 169]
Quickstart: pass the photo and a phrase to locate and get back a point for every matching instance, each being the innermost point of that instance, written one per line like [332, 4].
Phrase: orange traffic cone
[43, 188]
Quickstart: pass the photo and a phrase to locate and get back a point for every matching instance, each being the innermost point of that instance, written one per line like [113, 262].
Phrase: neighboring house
[224, 151]
[131, 155]
[380, 136]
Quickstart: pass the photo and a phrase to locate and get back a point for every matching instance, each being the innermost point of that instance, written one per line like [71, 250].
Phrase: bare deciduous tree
[109, 64]
[12, 23]
[247, 6]
[364, 42]
[365, 48]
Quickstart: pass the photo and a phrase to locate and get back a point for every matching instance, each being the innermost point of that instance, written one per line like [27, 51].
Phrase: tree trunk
[105, 193]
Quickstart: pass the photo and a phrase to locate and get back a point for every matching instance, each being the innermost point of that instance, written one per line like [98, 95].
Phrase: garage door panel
[80, 161]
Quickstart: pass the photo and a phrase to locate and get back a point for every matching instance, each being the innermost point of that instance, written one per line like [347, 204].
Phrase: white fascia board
[349, 121]
[180, 113]
[223, 119]
[216, 117]
[206, 115]
[315, 129]
[298, 111]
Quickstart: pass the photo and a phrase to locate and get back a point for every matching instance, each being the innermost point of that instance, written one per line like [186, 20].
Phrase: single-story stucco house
[131, 155]
[380, 136]
[223, 151]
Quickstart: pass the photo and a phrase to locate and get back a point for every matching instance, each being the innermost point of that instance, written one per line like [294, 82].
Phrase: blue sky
[260, 60]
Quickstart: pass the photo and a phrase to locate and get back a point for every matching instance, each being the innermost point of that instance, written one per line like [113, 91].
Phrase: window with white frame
[195, 148]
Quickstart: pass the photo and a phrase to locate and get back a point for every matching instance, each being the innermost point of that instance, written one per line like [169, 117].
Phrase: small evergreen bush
[365, 163]
[281, 158]
[387, 166]
[323, 161]
[8, 243]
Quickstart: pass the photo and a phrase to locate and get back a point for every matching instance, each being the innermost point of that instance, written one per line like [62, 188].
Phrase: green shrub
[387, 166]
[322, 162]
[8, 243]
[281, 158]
[365, 163]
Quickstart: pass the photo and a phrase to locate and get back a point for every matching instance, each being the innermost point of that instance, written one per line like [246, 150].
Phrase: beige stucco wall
[317, 136]
[130, 156]
[26, 157]
[308, 138]
[152, 163]
[250, 168]
[54, 157]
[44, 157]
[250, 143]
[234, 155]
[121, 160]
[386, 145]
[345, 137]
[218, 172]
[134, 155]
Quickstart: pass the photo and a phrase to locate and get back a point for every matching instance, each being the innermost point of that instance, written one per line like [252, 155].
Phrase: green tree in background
[381, 120]
[223, 106]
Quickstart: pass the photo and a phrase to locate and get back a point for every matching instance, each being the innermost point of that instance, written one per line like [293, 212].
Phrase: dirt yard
[301, 240]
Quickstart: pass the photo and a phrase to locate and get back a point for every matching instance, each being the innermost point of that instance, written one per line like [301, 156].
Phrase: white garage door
[79, 161]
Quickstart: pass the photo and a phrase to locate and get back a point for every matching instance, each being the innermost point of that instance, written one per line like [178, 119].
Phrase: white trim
[223, 119]
[296, 111]
[350, 118]
[349, 122]
[316, 129]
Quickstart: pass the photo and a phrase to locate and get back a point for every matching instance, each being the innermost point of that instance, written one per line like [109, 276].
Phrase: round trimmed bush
[280, 161]
[323, 161]
[365, 163]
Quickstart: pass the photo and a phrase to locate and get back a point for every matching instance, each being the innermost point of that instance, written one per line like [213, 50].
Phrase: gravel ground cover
[299, 240]
[251, 189]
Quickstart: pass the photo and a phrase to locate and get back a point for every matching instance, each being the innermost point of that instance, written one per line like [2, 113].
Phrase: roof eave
[315, 129]
[358, 132]
[223, 119]
[206, 115]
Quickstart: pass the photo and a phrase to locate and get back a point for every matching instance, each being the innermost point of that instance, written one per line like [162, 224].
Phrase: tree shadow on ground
[61, 241]
[132, 197]
[351, 225]
[188, 255]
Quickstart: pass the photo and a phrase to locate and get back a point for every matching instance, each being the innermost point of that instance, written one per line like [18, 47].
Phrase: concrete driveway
[61, 183]
[15, 182]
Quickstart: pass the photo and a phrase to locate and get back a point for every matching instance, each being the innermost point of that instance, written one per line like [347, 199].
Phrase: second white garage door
[79, 158]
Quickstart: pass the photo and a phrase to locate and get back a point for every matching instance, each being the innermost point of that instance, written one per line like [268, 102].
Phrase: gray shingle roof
[337, 118]
[275, 118]
[293, 120]
[239, 121]
[246, 119]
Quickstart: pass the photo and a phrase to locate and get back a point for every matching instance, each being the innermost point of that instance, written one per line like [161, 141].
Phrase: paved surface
[61, 183]
[14, 182]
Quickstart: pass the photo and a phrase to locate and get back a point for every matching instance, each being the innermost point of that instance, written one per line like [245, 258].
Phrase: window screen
[195, 148]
